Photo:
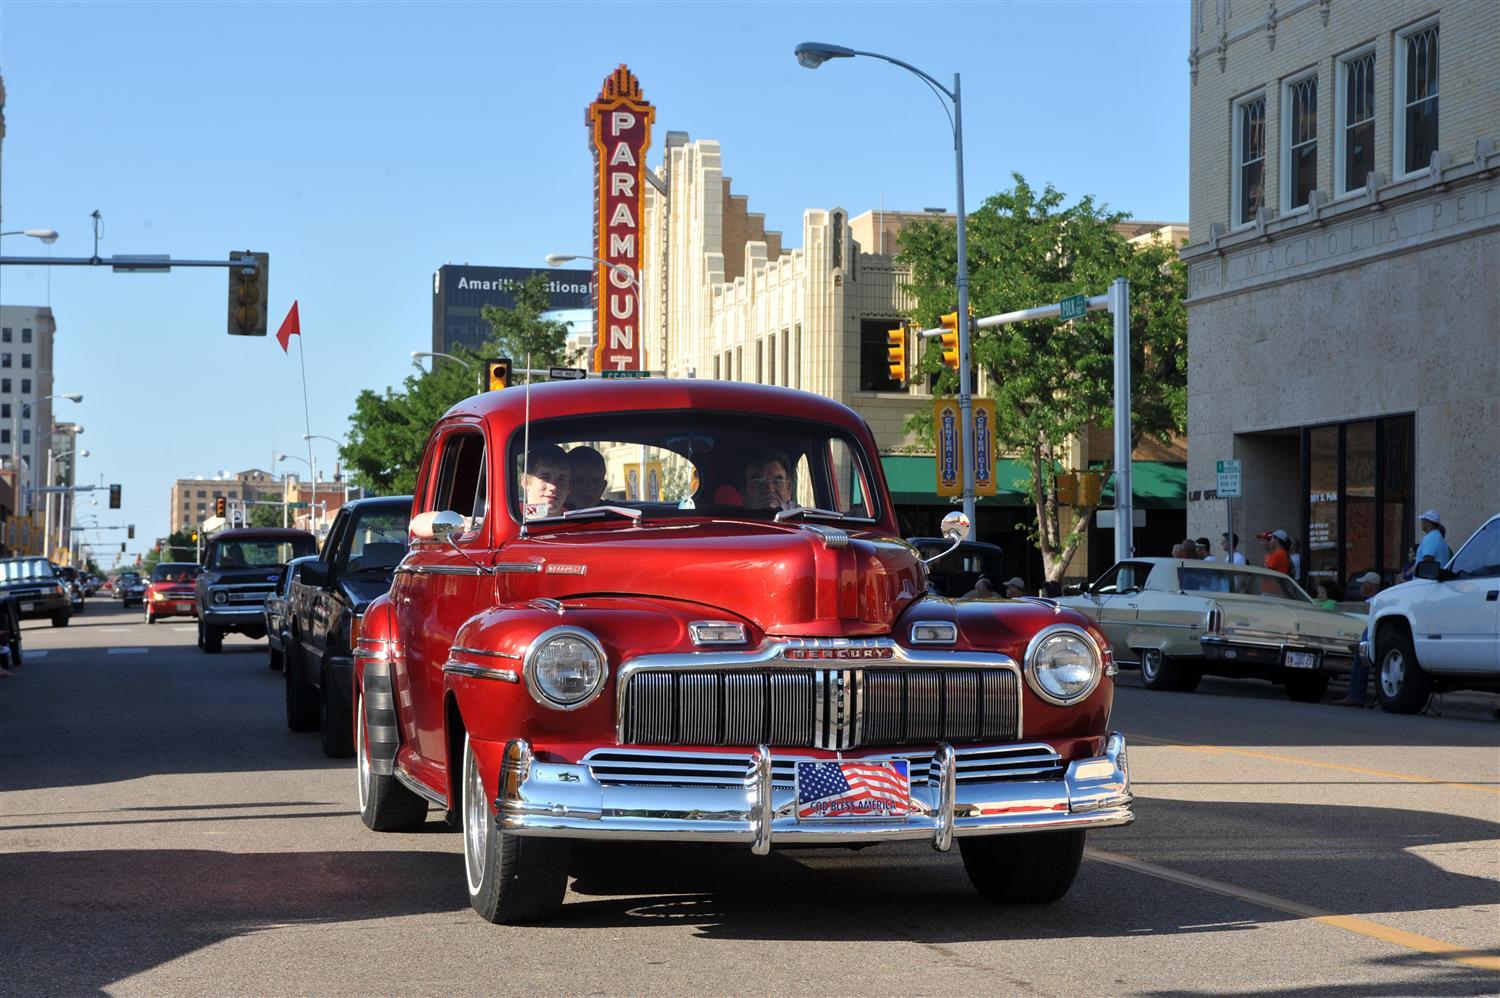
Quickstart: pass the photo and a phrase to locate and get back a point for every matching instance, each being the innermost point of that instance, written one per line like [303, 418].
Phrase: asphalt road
[162, 832]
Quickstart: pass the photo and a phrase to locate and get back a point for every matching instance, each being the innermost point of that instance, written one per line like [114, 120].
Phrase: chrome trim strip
[942, 761]
[464, 650]
[1035, 643]
[456, 668]
[404, 569]
[518, 567]
[420, 789]
[763, 809]
[1331, 646]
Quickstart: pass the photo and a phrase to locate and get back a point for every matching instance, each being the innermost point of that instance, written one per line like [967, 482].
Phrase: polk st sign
[620, 126]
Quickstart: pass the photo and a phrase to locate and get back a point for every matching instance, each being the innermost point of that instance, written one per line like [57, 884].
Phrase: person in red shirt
[1277, 557]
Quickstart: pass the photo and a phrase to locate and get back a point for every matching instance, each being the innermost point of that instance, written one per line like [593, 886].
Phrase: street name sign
[1229, 480]
[624, 374]
[1075, 307]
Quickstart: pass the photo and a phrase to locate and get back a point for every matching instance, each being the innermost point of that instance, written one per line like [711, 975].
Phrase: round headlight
[565, 668]
[221, 597]
[1063, 664]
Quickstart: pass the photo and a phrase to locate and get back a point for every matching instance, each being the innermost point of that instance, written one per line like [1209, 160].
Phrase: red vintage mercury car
[742, 651]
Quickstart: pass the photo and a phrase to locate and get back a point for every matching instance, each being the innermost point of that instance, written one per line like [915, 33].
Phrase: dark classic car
[171, 592]
[278, 614]
[240, 569]
[955, 573]
[131, 589]
[37, 590]
[326, 598]
[751, 656]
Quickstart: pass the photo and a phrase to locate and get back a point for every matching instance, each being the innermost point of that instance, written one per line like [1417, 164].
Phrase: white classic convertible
[1179, 620]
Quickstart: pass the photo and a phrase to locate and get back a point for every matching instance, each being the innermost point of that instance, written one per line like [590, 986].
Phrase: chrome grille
[824, 708]
[638, 767]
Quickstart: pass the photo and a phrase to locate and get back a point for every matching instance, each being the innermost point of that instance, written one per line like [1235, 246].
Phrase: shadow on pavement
[82, 920]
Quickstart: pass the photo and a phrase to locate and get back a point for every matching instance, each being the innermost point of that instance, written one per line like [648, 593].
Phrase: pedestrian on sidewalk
[1205, 550]
[1232, 552]
[1434, 545]
[1277, 559]
[1294, 552]
[1359, 672]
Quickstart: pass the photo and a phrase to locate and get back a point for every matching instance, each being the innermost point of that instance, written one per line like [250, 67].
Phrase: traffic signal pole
[965, 389]
[1117, 302]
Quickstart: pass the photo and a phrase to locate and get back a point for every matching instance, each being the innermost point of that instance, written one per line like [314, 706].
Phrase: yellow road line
[1276, 757]
[1349, 923]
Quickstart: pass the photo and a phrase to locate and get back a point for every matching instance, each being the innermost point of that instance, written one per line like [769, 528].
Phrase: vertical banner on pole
[984, 446]
[945, 433]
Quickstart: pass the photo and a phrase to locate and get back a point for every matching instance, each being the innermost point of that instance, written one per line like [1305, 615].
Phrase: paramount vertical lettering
[620, 127]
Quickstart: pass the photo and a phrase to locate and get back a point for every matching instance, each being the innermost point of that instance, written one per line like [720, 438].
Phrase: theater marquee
[620, 124]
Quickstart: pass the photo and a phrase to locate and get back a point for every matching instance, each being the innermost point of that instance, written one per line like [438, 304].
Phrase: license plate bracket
[854, 790]
[1301, 660]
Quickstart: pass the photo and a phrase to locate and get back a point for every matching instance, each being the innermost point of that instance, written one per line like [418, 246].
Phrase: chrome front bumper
[566, 801]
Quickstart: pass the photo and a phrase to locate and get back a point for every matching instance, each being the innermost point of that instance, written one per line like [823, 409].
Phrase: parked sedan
[277, 613]
[1180, 620]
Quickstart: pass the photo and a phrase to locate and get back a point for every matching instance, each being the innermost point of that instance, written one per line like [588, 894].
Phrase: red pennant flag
[289, 327]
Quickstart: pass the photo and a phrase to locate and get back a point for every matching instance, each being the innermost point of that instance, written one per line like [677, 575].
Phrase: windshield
[175, 572]
[30, 568]
[683, 464]
[377, 541]
[1221, 580]
[261, 552]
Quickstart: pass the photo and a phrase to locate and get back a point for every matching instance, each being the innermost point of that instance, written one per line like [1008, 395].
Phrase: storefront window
[1359, 504]
[1320, 560]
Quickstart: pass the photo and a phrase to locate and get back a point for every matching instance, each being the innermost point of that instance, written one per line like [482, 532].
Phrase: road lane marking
[114, 630]
[1349, 923]
[1277, 757]
[183, 628]
[128, 651]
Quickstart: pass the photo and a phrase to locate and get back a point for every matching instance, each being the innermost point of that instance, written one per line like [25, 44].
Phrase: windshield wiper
[591, 513]
[826, 514]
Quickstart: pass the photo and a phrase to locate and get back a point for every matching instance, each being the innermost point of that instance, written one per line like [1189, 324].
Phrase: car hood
[787, 579]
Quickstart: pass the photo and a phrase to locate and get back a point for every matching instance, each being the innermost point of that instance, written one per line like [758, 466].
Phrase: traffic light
[248, 291]
[130, 531]
[896, 352]
[950, 339]
[195, 537]
[496, 374]
[219, 505]
[114, 497]
[122, 547]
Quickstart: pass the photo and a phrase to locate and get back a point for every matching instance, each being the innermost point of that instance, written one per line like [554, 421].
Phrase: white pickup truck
[1441, 630]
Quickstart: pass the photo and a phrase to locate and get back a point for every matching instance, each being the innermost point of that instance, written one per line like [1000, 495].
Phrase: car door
[1116, 598]
[314, 614]
[1456, 627]
[439, 586]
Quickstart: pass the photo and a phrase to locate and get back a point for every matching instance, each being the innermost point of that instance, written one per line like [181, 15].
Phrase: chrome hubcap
[360, 754]
[1392, 673]
[476, 821]
[1150, 664]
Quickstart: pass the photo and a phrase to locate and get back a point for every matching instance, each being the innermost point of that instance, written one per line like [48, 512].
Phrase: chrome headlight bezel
[530, 668]
[1035, 648]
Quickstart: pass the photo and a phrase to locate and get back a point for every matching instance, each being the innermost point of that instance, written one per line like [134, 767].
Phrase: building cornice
[1440, 204]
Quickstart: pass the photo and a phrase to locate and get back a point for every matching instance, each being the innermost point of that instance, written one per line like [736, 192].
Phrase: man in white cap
[1359, 671]
[1434, 545]
[1277, 559]
[1015, 586]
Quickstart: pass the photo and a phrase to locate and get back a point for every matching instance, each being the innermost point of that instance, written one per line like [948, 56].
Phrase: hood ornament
[833, 538]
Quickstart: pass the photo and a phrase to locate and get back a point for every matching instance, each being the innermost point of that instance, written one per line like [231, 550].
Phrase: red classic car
[679, 611]
[170, 592]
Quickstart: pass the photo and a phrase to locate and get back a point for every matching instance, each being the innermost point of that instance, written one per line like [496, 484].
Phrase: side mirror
[313, 573]
[956, 526]
[1429, 570]
[436, 526]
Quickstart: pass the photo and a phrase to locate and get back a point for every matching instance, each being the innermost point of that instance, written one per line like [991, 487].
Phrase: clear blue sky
[363, 146]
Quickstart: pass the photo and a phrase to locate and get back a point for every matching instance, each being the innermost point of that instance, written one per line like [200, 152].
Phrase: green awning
[913, 482]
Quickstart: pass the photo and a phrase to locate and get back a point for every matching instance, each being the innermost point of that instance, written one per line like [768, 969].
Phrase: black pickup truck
[240, 569]
[324, 604]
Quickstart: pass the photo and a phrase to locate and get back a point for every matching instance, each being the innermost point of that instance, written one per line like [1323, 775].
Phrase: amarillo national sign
[620, 124]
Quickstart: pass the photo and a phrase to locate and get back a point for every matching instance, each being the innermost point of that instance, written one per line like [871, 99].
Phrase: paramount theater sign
[620, 124]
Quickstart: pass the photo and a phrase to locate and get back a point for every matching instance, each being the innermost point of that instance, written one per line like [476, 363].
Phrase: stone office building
[1344, 272]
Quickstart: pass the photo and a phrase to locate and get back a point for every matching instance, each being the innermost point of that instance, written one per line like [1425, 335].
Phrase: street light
[310, 437]
[48, 236]
[312, 467]
[15, 440]
[814, 54]
[62, 502]
[417, 355]
[558, 259]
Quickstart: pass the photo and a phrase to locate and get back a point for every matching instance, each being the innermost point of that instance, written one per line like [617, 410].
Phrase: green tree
[177, 546]
[262, 515]
[521, 333]
[1050, 380]
[388, 430]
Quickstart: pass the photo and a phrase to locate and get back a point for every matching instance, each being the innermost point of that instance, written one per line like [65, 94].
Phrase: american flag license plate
[844, 790]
